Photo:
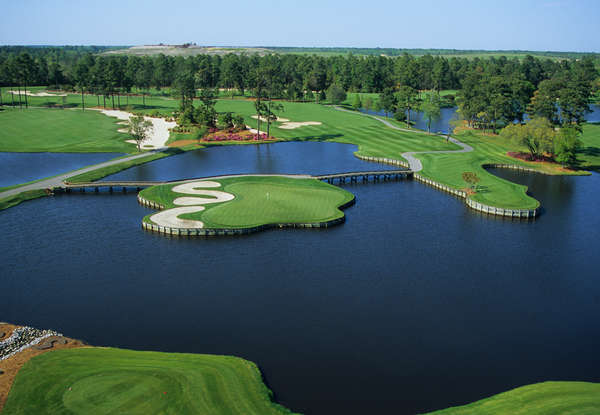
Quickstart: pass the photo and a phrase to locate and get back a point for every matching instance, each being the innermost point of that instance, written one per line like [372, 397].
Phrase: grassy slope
[21, 197]
[54, 130]
[590, 153]
[263, 200]
[547, 398]
[107, 381]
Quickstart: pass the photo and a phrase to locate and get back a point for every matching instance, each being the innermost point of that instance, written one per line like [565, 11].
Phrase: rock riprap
[22, 338]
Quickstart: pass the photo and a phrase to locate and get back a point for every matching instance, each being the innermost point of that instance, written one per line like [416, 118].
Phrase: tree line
[102, 74]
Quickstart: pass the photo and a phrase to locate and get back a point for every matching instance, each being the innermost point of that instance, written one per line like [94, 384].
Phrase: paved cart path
[414, 164]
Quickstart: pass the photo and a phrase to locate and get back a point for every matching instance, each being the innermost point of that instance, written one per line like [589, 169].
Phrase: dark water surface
[415, 303]
[18, 168]
[283, 158]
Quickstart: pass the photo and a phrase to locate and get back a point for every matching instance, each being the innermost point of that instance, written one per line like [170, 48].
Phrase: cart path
[414, 164]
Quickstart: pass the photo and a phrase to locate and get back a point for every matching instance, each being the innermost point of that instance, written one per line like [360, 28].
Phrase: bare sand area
[160, 129]
[37, 94]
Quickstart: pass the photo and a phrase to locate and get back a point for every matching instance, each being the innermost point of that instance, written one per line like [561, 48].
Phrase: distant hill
[192, 50]
[186, 50]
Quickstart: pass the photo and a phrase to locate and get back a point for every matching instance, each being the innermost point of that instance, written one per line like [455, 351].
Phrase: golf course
[372, 137]
[244, 229]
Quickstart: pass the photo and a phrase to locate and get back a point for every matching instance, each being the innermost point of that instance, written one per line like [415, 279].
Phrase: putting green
[257, 201]
[115, 381]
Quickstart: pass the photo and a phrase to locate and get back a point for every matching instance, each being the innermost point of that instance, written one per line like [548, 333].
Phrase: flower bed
[237, 136]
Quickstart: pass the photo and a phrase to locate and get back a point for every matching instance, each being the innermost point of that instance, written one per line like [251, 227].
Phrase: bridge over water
[125, 185]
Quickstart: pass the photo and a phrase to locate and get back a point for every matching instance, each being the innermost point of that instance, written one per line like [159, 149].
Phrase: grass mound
[109, 381]
[547, 398]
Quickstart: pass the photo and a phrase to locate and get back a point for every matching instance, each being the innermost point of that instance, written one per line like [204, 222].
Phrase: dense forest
[490, 92]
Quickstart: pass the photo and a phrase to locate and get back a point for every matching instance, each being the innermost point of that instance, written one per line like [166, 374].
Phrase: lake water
[18, 168]
[449, 114]
[283, 158]
[415, 303]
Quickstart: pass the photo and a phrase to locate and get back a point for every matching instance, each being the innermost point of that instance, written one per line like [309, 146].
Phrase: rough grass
[263, 200]
[547, 398]
[108, 381]
[55, 130]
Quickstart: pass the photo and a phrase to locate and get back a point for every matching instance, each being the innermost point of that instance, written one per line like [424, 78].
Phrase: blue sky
[566, 25]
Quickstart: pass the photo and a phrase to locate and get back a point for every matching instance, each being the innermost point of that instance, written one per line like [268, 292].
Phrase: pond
[16, 168]
[449, 114]
[415, 303]
[283, 158]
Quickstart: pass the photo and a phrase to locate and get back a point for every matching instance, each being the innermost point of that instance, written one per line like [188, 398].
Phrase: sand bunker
[160, 131]
[292, 125]
[37, 94]
[285, 123]
[265, 120]
[169, 218]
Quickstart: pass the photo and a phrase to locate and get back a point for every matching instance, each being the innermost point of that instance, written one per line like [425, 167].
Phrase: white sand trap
[37, 94]
[169, 217]
[292, 125]
[265, 120]
[160, 131]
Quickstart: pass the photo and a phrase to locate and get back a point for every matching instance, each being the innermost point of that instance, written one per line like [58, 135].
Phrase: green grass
[261, 201]
[55, 130]
[110, 381]
[11, 201]
[547, 398]
[589, 155]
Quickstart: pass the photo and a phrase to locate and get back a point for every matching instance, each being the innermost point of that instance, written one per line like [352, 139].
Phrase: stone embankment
[22, 338]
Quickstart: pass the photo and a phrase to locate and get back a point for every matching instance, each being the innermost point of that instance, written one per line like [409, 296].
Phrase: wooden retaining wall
[232, 232]
[492, 210]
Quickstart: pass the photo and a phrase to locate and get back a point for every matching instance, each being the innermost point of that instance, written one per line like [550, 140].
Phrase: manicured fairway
[56, 130]
[590, 153]
[548, 398]
[115, 381]
[262, 200]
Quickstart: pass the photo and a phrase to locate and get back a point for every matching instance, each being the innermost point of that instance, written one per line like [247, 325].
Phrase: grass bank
[547, 398]
[56, 130]
[105, 380]
[21, 197]
[261, 201]
[589, 155]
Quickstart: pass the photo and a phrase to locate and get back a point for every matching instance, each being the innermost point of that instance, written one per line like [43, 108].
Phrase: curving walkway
[414, 164]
